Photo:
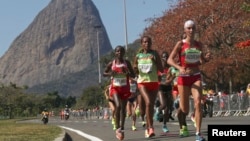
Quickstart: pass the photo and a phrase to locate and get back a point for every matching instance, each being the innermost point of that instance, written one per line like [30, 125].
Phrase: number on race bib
[145, 68]
[119, 81]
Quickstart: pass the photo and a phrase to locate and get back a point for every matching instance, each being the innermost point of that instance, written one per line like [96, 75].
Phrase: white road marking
[92, 138]
[176, 123]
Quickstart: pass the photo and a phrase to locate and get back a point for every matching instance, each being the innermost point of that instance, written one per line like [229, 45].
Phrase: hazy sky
[16, 15]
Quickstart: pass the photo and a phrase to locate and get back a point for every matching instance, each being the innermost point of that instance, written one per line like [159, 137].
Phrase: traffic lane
[103, 128]
[104, 131]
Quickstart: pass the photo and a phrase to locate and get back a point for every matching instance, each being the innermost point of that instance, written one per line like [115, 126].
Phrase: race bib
[145, 68]
[192, 55]
[133, 87]
[119, 81]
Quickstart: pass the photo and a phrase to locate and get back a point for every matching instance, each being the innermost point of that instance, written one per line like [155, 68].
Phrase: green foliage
[220, 26]
[91, 97]
[246, 7]
[15, 103]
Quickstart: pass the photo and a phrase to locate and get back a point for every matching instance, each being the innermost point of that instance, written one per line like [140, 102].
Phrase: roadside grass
[12, 130]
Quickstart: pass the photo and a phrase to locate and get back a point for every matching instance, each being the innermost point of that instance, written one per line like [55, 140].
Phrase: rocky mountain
[58, 51]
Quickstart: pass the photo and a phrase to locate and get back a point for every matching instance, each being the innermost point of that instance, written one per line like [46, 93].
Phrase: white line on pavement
[92, 138]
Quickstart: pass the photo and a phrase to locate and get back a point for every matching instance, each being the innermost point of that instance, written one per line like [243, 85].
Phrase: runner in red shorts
[120, 70]
[191, 56]
[147, 63]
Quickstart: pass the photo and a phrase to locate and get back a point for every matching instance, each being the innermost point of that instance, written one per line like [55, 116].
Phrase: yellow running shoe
[184, 131]
[113, 121]
[143, 124]
[133, 128]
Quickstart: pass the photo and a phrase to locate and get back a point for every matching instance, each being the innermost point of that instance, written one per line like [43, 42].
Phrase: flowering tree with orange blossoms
[221, 25]
[244, 44]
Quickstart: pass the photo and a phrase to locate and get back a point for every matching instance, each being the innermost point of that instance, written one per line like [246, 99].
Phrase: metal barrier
[102, 113]
[224, 105]
[231, 105]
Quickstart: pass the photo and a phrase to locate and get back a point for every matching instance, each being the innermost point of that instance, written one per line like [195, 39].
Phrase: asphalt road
[101, 130]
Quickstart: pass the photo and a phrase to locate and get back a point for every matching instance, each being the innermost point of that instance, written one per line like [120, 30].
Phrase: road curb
[61, 137]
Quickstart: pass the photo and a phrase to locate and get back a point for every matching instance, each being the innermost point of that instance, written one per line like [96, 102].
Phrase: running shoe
[127, 116]
[143, 124]
[113, 121]
[133, 128]
[137, 112]
[114, 127]
[193, 120]
[119, 134]
[199, 138]
[184, 131]
[151, 132]
[165, 129]
[156, 115]
[146, 133]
